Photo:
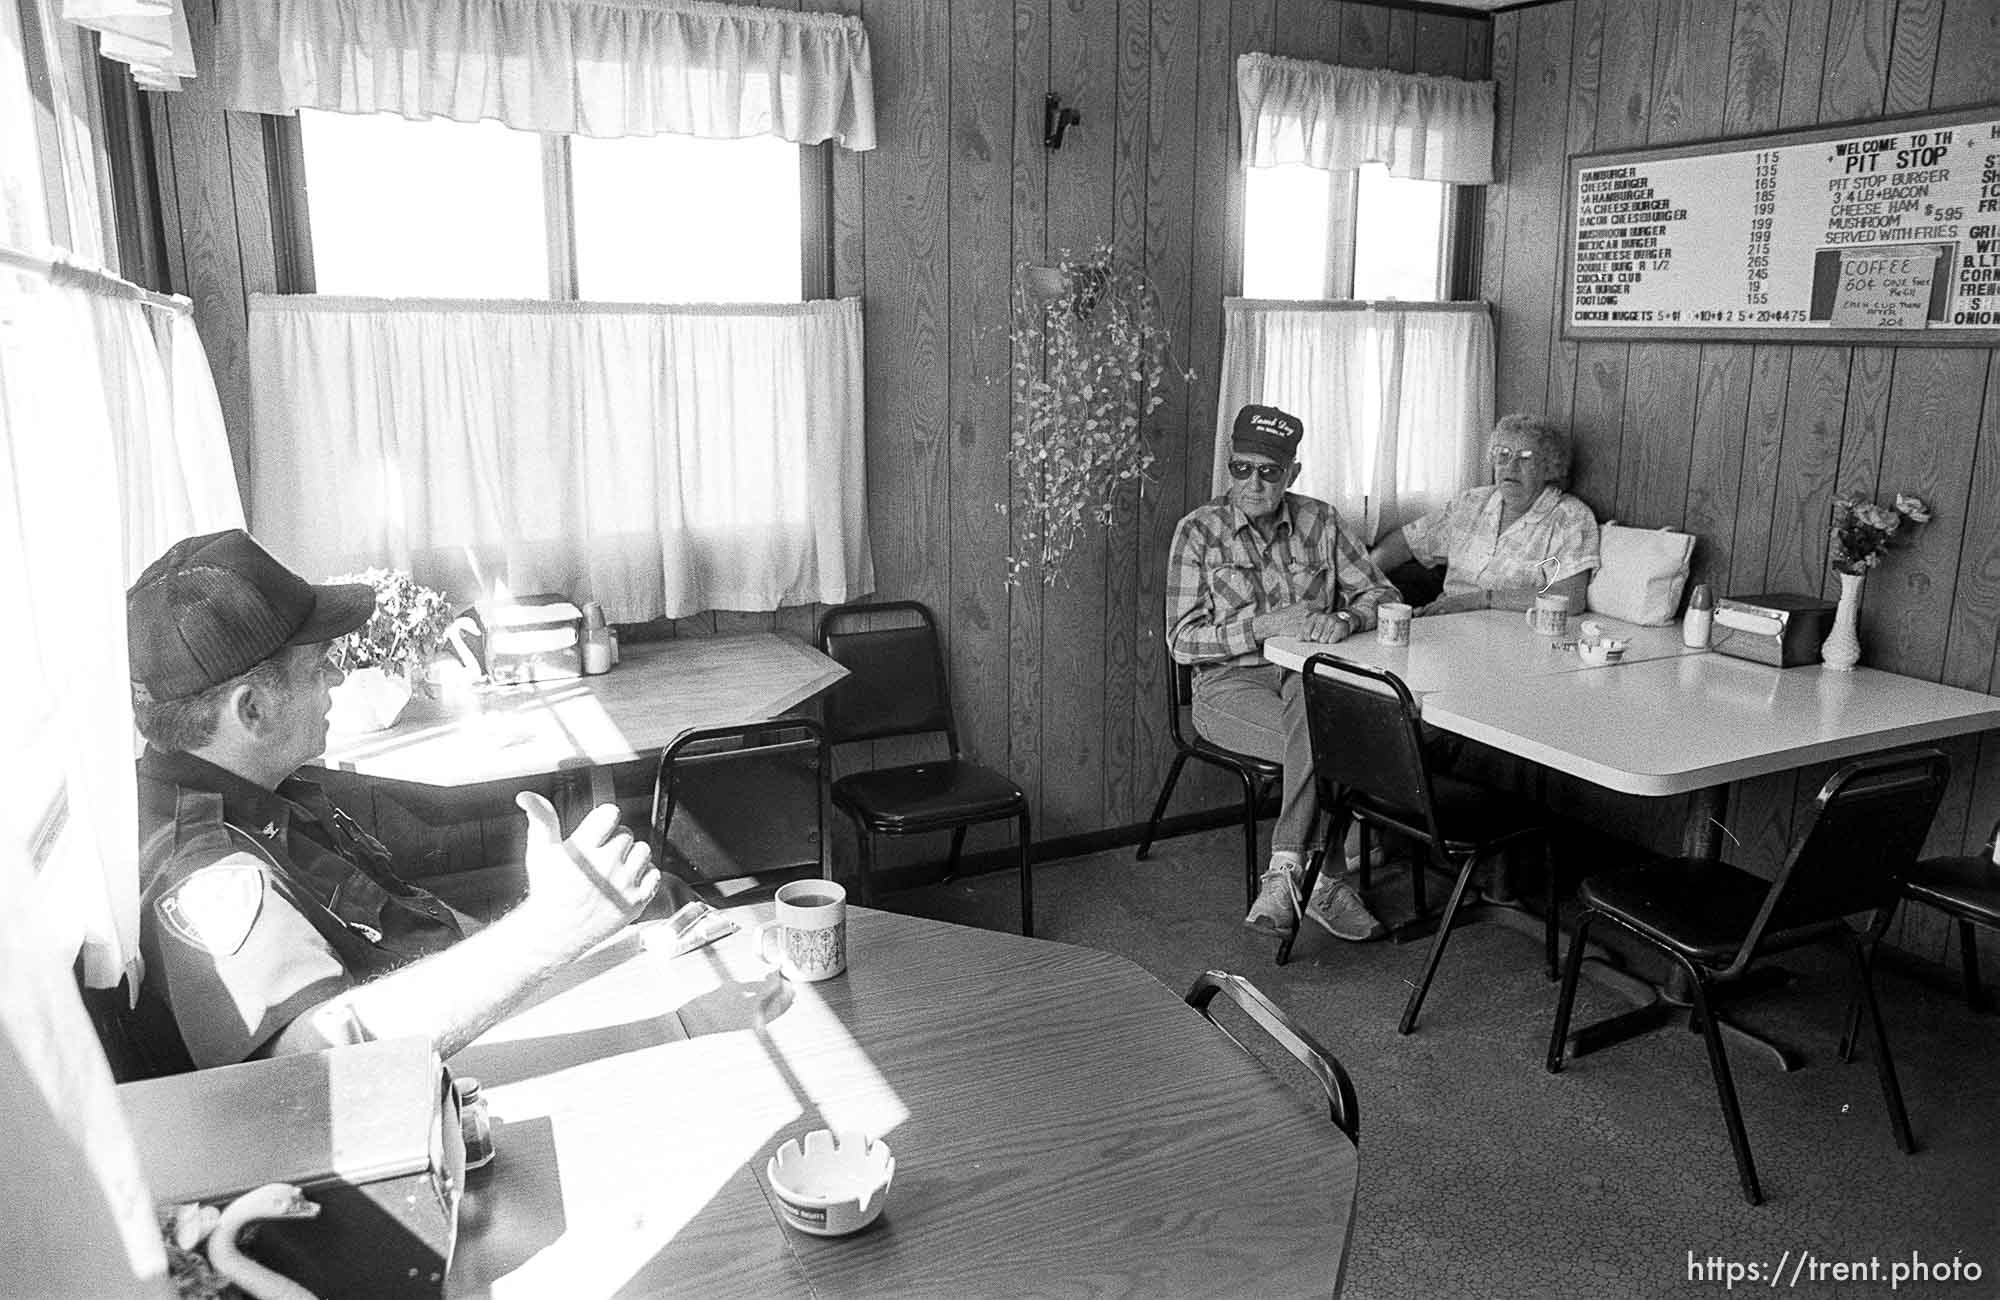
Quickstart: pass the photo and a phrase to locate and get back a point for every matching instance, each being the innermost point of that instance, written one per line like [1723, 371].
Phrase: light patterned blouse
[1554, 539]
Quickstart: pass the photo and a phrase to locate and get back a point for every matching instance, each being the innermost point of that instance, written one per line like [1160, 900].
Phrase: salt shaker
[476, 1123]
[596, 640]
[1700, 617]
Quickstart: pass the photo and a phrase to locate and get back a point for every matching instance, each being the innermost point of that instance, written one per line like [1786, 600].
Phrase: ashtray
[832, 1185]
[1599, 653]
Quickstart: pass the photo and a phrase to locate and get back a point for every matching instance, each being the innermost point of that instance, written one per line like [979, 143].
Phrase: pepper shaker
[475, 1122]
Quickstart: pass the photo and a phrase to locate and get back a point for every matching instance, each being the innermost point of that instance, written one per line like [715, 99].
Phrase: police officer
[269, 921]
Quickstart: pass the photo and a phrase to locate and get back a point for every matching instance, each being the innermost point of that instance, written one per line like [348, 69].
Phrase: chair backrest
[1865, 829]
[1366, 736]
[742, 800]
[1343, 1107]
[896, 684]
[1180, 693]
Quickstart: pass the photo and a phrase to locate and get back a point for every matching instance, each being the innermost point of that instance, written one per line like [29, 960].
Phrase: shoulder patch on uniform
[214, 908]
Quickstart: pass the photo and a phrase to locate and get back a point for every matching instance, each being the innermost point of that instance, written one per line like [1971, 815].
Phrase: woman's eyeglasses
[1242, 469]
[1502, 455]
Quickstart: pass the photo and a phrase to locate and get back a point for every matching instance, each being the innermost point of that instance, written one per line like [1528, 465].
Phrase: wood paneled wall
[1747, 444]
[1060, 687]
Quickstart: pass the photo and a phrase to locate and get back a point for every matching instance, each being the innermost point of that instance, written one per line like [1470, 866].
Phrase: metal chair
[1343, 1107]
[740, 801]
[896, 686]
[1369, 761]
[1967, 889]
[1255, 773]
[1866, 827]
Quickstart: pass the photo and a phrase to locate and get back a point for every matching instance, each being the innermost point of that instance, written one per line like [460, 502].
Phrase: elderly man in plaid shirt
[1257, 562]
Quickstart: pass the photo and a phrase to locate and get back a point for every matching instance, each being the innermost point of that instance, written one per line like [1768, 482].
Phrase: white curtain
[574, 67]
[149, 36]
[660, 459]
[107, 455]
[1397, 400]
[1423, 127]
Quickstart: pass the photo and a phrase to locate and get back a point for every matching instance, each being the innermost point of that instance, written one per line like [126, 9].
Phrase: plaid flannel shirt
[1221, 574]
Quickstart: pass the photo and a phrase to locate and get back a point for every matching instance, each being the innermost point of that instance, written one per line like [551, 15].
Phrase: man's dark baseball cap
[216, 605]
[1268, 430]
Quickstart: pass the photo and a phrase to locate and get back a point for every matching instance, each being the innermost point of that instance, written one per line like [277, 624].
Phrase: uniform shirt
[1555, 538]
[256, 906]
[1222, 573]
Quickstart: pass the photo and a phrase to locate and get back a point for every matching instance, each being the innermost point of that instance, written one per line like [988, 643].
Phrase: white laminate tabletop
[1669, 726]
[1478, 649]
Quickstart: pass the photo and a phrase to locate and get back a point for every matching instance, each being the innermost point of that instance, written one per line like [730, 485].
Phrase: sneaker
[1276, 910]
[1336, 907]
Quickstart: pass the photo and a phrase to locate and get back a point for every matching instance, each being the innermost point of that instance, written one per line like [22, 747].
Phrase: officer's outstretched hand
[588, 885]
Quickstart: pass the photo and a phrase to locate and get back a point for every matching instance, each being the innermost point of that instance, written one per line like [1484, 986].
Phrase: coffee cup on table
[808, 940]
[1392, 623]
[1550, 615]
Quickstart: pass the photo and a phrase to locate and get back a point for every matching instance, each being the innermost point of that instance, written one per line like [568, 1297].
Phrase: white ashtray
[834, 1184]
[1599, 653]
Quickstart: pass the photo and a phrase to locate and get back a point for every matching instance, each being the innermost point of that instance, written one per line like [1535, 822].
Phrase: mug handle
[1528, 617]
[764, 932]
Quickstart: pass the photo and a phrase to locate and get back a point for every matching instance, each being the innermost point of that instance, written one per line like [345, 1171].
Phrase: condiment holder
[833, 1184]
[1598, 653]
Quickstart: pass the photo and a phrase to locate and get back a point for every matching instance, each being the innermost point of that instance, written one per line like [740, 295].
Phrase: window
[479, 210]
[1310, 233]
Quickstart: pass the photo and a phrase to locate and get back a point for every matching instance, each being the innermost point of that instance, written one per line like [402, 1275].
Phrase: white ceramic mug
[1392, 623]
[1550, 616]
[810, 933]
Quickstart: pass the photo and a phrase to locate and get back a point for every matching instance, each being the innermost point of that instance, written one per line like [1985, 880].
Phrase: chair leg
[1552, 916]
[1027, 851]
[1566, 998]
[865, 847]
[957, 847]
[1725, 1087]
[1314, 856]
[1364, 841]
[1968, 964]
[1160, 804]
[1250, 872]
[1438, 942]
[1885, 1068]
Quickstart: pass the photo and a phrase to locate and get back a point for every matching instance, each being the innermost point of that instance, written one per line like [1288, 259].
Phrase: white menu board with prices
[1886, 232]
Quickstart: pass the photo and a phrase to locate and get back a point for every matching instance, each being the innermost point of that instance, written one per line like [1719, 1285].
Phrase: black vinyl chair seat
[1472, 818]
[1967, 886]
[1695, 908]
[927, 796]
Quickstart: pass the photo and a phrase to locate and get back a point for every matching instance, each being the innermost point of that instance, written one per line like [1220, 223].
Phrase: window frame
[1459, 238]
[285, 164]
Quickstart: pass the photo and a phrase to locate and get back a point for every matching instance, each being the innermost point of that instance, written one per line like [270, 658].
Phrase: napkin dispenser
[370, 1132]
[533, 639]
[1778, 628]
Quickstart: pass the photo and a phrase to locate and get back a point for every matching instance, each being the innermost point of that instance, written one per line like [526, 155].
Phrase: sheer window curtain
[1422, 127]
[1396, 398]
[680, 458]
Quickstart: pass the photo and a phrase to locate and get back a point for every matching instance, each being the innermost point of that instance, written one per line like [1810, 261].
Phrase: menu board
[1888, 235]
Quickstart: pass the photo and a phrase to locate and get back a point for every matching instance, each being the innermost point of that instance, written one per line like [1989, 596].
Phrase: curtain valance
[1423, 127]
[576, 67]
[149, 36]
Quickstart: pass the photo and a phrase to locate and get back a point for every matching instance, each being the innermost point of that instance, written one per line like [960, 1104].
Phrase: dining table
[1061, 1123]
[1664, 720]
[580, 727]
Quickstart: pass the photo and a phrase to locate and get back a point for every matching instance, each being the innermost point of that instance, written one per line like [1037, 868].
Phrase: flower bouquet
[1863, 531]
[384, 659]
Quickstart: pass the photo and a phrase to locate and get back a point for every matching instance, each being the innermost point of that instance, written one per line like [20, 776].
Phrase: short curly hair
[1551, 441]
[185, 725]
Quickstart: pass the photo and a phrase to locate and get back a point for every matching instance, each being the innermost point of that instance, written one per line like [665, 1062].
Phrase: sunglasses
[1501, 455]
[1242, 469]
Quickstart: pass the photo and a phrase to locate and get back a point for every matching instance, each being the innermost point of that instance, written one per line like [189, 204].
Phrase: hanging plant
[1091, 354]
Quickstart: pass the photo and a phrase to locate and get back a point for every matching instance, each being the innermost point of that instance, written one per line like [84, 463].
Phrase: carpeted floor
[1483, 1175]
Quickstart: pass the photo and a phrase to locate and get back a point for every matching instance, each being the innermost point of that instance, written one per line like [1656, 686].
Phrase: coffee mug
[1392, 623]
[1550, 616]
[810, 934]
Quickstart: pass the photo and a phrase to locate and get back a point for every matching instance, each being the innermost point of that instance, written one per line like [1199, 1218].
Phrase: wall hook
[1056, 120]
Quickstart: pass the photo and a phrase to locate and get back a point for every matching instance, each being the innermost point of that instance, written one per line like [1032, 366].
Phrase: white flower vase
[368, 700]
[1842, 648]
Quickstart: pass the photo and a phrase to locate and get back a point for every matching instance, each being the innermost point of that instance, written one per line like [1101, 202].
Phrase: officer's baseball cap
[216, 605]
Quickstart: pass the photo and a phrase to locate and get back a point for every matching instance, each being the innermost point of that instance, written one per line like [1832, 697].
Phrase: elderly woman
[1506, 544]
